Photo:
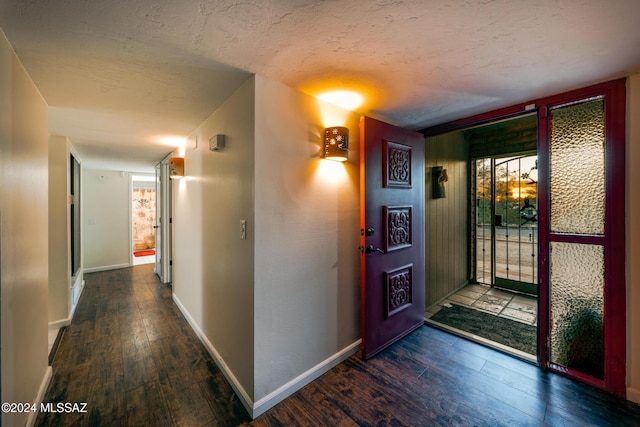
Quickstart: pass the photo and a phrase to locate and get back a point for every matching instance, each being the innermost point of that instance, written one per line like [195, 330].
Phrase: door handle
[371, 249]
[156, 226]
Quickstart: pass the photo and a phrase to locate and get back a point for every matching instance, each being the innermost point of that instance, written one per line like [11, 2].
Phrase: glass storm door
[507, 222]
[516, 223]
[584, 251]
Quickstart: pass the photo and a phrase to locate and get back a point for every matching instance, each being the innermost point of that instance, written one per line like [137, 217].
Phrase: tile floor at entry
[510, 305]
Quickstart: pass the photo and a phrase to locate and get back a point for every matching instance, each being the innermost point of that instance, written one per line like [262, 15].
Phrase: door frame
[498, 282]
[615, 286]
[164, 262]
[614, 235]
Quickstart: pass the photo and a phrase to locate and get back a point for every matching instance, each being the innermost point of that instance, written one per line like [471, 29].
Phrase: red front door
[392, 233]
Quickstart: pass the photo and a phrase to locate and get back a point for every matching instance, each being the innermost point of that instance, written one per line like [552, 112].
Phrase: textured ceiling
[122, 76]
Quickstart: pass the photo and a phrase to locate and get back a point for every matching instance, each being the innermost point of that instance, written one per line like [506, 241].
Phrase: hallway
[131, 356]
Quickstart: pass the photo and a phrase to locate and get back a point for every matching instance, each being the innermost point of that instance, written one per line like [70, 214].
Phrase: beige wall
[23, 234]
[106, 224]
[213, 268]
[446, 218]
[633, 238]
[280, 307]
[307, 235]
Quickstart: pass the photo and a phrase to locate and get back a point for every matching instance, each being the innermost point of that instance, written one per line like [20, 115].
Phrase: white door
[163, 222]
[159, 240]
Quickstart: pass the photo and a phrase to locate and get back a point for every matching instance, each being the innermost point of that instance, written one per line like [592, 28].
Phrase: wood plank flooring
[132, 357]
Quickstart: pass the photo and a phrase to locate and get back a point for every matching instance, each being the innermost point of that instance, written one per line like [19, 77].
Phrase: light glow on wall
[182, 183]
[332, 172]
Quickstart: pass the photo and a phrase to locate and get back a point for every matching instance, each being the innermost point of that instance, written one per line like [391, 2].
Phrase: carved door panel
[392, 233]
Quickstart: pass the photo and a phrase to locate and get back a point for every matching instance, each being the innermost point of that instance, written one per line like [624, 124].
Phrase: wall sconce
[176, 167]
[336, 143]
[438, 178]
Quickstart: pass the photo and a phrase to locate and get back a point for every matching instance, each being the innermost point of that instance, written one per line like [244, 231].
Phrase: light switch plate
[243, 229]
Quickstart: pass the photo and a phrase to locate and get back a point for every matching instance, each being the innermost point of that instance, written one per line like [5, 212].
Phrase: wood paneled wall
[446, 221]
[518, 135]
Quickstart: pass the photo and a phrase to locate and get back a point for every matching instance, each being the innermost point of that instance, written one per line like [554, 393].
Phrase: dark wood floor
[131, 356]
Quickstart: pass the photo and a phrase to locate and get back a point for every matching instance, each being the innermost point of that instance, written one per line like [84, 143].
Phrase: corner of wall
[59, 270]
[242, 394]
[212, 265]
[295, 384]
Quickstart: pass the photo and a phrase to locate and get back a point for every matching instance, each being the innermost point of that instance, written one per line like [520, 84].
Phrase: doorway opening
[580, 135]
[74, 211]
[499, 305]
[143, 219]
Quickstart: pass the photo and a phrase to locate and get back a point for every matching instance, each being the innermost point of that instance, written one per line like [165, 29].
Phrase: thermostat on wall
[216, 142]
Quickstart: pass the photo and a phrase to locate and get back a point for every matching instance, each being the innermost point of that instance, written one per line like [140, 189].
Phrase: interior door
[75, 237]
[159, 240]
[392, 233]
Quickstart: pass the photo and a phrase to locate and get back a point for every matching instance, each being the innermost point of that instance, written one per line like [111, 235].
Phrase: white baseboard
[633, 394]
[277, 396]
[74, 300]
[61, 323]
[106, 268]
[233, 381]
[48, 373]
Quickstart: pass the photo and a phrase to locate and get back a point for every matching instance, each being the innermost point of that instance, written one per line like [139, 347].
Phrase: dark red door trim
[614, 240]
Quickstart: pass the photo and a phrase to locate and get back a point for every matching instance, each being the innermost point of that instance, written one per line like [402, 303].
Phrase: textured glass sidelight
[577, 168]
[577, 306]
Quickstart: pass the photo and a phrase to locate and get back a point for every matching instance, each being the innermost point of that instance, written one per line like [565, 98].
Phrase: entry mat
[498, 329]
